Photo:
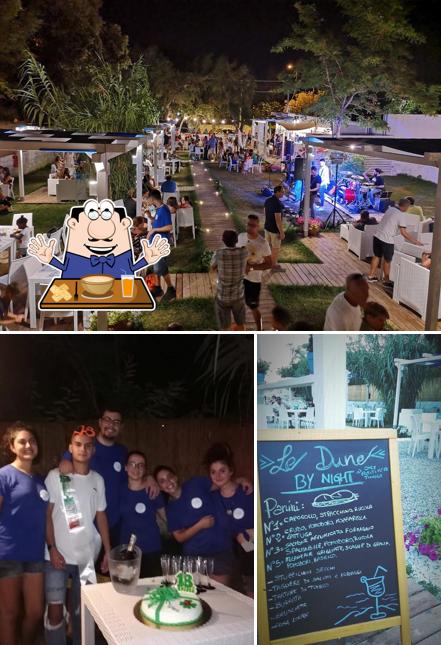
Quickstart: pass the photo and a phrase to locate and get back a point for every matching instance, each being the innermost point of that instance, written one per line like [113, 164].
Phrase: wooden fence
[179, 443]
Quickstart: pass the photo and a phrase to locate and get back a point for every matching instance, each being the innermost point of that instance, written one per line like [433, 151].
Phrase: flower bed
[423, 546]
[314, 225]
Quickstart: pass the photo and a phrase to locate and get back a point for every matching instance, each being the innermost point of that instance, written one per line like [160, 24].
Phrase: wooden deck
[425, 622]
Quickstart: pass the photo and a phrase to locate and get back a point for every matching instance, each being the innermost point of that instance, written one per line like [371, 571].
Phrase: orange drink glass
[127, 285]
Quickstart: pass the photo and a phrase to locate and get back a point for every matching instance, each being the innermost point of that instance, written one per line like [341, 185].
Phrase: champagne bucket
[124, 573]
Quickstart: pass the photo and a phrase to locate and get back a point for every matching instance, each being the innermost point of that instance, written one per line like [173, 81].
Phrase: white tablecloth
[231, 622]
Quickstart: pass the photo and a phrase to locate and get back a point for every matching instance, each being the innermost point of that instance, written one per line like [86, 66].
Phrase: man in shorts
[230, 262]
[162, 225]
[392, 224]
[274, 232]
[259, 259]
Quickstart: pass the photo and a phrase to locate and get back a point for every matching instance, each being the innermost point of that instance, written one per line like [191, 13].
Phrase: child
[375, 317]
[280, 319]
[7, 294]
[22, 235]
[139, 232]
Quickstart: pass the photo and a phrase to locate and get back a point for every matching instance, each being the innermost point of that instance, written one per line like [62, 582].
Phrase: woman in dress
[23, 505]
[138, 515]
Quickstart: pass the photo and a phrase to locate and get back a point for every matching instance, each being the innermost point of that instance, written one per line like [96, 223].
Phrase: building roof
[419, 151]
[298, 381]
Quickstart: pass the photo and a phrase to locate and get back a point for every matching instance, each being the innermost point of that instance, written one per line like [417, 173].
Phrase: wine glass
[200, 572]
[210, 571]
[176, 567]
[165, 566]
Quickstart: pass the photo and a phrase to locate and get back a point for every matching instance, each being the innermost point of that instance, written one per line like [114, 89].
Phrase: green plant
[263, 366]
[426, 537]
[206, 257]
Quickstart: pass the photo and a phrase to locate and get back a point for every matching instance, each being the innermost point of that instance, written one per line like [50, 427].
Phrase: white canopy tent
[400, 364]
[425, 152]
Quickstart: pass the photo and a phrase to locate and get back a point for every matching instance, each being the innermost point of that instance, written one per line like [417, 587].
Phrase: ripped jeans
[56, 586]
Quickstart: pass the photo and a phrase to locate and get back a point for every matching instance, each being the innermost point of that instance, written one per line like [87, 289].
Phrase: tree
[359, 56]
[265, 109]
[117, 99]
[70, 37]
[16, 27]
[303, 101]
[372, 360]
[298, 365]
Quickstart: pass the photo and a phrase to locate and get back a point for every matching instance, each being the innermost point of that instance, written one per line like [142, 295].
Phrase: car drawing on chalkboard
[335, 499]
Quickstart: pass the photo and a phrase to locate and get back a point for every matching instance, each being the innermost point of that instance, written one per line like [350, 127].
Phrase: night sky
[243, 30]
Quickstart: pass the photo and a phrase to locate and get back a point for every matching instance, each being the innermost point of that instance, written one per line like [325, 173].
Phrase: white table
[368, 414]
[174, 164]
[44, 275]
[231, 623]
[8, 244]
[5, 232]
[295, 414]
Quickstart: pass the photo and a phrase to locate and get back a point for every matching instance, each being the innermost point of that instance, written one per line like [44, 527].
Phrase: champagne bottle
[128, 553]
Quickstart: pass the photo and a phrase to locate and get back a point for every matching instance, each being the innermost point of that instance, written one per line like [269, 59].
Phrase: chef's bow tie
[102, 259]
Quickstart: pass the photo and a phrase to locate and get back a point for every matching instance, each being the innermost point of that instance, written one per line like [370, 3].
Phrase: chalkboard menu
[328, 534]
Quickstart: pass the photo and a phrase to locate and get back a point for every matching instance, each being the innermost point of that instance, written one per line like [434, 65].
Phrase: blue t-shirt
[162, 218]
[195, 502]
[168, 186]
[239, 508]
[138, 516]
[22, 516]
[109, 462]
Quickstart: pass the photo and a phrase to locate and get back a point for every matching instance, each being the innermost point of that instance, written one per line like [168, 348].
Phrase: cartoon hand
[159, 249]
[43, 250]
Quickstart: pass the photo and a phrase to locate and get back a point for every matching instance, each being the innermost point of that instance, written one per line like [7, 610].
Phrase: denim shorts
[161, 267]
[14, 568]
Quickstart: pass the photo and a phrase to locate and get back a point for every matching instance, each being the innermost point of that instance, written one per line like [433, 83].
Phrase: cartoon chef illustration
[98, 242]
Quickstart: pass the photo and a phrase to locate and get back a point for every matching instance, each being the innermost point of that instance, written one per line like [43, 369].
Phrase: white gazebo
[425, 152]
[100, 147]
[401, 363]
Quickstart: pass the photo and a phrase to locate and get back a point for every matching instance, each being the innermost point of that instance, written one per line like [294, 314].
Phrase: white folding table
[231, 621]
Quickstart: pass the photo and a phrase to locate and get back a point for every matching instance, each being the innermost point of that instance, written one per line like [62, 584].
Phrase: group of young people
[63, 528]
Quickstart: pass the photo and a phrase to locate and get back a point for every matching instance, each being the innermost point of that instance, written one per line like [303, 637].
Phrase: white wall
[32, 160]
[330, 389]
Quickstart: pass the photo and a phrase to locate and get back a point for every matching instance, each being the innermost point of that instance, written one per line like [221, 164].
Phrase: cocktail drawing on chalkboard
[335, 499]
[376, 589]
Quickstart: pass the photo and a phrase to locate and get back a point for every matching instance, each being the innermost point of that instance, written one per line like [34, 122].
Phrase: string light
[201, 202]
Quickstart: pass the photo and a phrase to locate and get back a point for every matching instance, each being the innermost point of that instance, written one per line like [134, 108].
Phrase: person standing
[230, 262]
[345, 311]
[75, 528]
[259, 259]
[108, 459]
[274, 232]
[392, 224]
[324, 181]
[162, 224]
[23, 506]
[138, 515]
[314, 186]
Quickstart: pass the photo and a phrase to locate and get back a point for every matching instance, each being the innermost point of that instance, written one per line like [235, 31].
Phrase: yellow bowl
[97, 285]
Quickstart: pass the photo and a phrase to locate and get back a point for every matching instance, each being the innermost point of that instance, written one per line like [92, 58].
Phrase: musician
[325, 179]
[314, 187]
[378, 181]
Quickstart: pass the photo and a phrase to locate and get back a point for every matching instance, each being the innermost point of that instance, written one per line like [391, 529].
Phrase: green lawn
[186, 257]
[194, 314]
[45, 216]
[36, 179]
[423, 191]
[306, 304]
[294, 251]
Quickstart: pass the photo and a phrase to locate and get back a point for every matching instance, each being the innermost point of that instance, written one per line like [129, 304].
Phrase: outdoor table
[231, 622]
[5, 232]
[44, 275]
[367, 417]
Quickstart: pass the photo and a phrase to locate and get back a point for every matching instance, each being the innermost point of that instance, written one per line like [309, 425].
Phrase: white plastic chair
[186, 218]
[283, 420]
[308, 421]
[268, 414]
[358, 417]
[223, 162]
[166, 196]
[233, 165]
[418, 436]
[377, 418]
[57, 235]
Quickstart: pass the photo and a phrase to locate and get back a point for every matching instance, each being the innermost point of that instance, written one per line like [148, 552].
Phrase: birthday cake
[176, 607]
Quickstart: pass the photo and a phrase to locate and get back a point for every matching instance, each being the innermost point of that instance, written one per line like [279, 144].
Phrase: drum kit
[356, 194]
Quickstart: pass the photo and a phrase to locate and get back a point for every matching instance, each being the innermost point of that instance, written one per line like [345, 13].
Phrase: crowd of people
[57, 533]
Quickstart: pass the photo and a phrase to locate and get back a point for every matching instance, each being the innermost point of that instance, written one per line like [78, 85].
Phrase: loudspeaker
[299, 164]
[384, 204]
